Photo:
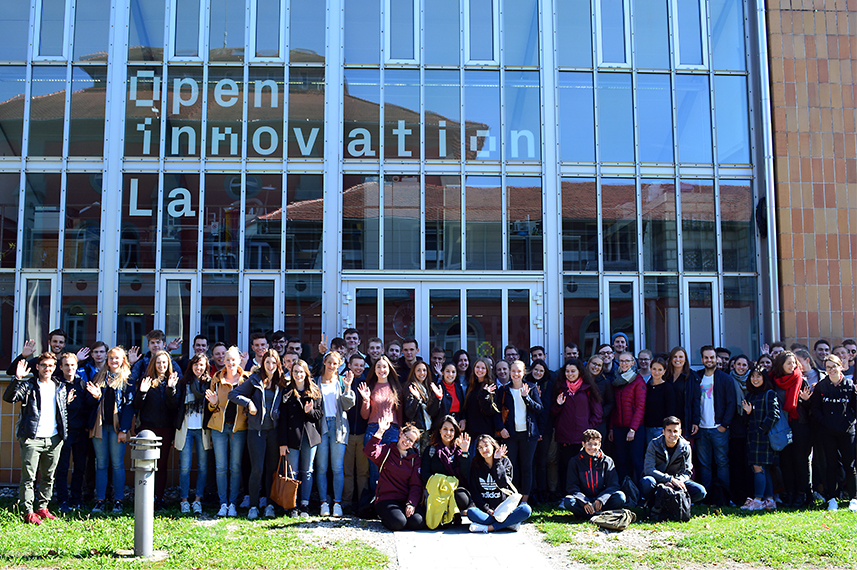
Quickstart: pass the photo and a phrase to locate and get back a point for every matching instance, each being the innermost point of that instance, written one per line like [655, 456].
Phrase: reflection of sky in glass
[577, 117]
[521, 32]
[482, 106]
[363, 84]
[402, 88]
[523, 115]
[651, 37]
[612, 31]
[481, 30]
[442, 38]
[693, 115]
[307, 29]
[187, 20]
[362, 30]
[733, 119]
[268, 28]
[615, 117]
[47, 80]
[402, 30]
[11, 83]
[654, 118]
[727, 34]
[13, 30]
[227, 27]
[689, 33]
[51, 30]
[574, 33]
[91, 28]
[442, 93]
[146, 26]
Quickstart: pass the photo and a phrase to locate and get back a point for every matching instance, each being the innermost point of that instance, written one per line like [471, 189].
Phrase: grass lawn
[816, 539]
[78, 541]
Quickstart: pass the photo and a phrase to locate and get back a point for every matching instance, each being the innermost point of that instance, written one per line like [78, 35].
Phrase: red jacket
[399, 478]
[578, 414]
[630, 405]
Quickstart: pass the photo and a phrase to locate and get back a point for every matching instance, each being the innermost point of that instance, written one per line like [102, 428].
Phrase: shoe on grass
[224, 510]
[832, 505]
[325, 510]
[232, 512]
[269, 512]
[245, 504]
[852, 505]
[304, 513]
[117, 508]
[337, 510]
[45, 514]
[253, 514]
[98, 507]
[32, 518]
[185, 507]
[196, 507]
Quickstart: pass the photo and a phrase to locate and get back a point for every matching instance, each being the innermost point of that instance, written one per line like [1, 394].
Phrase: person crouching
[593, 483]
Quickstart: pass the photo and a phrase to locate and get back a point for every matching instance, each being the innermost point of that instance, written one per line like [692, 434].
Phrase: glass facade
[472, 172]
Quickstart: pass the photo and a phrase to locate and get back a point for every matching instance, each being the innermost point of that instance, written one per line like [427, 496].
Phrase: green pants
[38, 454]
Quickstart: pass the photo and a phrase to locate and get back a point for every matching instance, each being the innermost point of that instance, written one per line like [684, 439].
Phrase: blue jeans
[763, 485]
[695, 490]
[228, 450]
[391, 436]
[194, 437]
[330, 453]
[108, 448]
[712, 448]
[629, 455]
[301, 460]
[521, 513]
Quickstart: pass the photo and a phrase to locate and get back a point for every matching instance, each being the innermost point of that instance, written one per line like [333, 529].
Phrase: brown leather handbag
[284, 489]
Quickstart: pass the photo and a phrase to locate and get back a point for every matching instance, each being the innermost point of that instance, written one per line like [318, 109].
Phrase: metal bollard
[145, 450]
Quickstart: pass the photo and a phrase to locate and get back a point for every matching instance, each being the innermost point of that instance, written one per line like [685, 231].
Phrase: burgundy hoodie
[578, 414]
[400, 477]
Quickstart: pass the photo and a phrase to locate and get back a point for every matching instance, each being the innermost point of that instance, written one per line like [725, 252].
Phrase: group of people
[427, 441]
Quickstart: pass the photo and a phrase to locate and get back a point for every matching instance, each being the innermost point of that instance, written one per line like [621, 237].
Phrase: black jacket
[416, 409]
[834, 406]
[591, 478]
[138, 371]
[505, 402]
[295, 422]
[197, 387]
[251, 390]
[485, 483]
[480, 411]
[724, 397]
[124, 400]
[79, 409]
[446, 401]
[26, 391]
[156, 406]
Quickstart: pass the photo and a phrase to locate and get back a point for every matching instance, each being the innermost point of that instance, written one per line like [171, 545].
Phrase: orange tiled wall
[812, 47]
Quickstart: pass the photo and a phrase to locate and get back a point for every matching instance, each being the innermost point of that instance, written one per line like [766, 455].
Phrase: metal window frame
[598, 56]
[715, 281]
[704, 36]
[173, 28]
[495, 8]
[68, 32]
[251, 28]
[417, 28]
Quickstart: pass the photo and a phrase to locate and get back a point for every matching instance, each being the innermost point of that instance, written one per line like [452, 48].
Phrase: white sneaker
[852, 506]
[185, 506]
[224, 510]
[269, 512]
[770, 504]
[253, 514]
[197, 508]
[474, 527]
[245, 503]
[325, 510]
[232, 512]
[514, 527]
[337, 510]
[263, 502]
[832, 505]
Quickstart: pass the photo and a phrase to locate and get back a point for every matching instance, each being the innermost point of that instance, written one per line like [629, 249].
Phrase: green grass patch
[80, 541]
[816, 539]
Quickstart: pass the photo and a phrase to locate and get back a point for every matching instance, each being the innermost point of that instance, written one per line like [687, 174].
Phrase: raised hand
[349, 378]
[245, 358]
[70, 396]
[436, 390]
[364, 392]
[82, 354]
[22, 369]
[93, 390]
[490, 388]
[525, 390]
[805, 393]
[464, 442]
[383, 426]
[747, 406]
[307, 406]
[765, 349]
[211, 396]
[173, 380]
[29, 348]
[560, 398]
[133, 355]
[501, 451]
[414, 391]
[322, 346]
[145, 384]
[174, 344]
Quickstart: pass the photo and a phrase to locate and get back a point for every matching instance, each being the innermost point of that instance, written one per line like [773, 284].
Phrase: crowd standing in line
[424, 442]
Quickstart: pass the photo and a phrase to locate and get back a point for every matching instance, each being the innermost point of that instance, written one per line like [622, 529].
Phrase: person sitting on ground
[490, 473]
[668, 461]
[593, 482]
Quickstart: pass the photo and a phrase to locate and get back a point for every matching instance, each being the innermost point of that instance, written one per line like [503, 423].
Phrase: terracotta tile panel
[835, 297]
[813, 323]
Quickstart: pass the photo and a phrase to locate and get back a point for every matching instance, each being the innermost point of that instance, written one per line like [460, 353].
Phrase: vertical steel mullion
[382, 183]
[332, 284]
[420, 50]
[159, 288]
[501, 59]
[463, 55]
[504, 314]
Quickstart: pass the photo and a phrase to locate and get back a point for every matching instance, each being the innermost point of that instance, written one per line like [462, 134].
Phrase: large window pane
[518, 307]
[14, 24]
[484, 231]
[142, 112]
[146, 30]
[303, 307]
[524, 223]
[481, 26]
[361, 221]
[443, 222]
[577, 117]
[47, 110]
[86, 126]
[226, 31]
[263, 228]
[402, 41]
[579, 225]
[574, 33]
[482, 115]
[523, 116]
[91, 30]
[621, 303]
[37, 308]
[362, 31]
[741, 315]
[219, 308]
[442, 89]
[307, 29]
[402, 113]
[261, 316]
[304, 221]
[651, 35]
[366, 312]
[655, 118]
[362, 113]
[733, 119]
[693, 114]
[7, 318]
[79, 309]
[266, 104]
[521, 32]
[660, 240]
[225, 125]
[619, 224]
[443, 47]
[727, 34]
[10, 184]
[581, 313]
[51, 29]
[399, 310]
[700, 307]
[222, 227]
[175, 295]
[402, 222]
[179, 234]
[41, 220]
[139, 224]
[136, 309]
[661, 313]
[83, 200]
[12, 90]
[306, 112]
[689, 32]
[187, 20]
[698, 232]
[184, 100]
[615, 117]
[445, 319]
[268, 28]
[737, 225]
[484, 322]
[612, 31]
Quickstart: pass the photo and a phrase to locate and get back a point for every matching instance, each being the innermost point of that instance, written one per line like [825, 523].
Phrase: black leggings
[794, 459]
[392, 515]
[839, 452]
[264, 456]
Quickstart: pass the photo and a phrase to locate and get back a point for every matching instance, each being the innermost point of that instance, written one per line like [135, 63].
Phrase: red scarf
[791, 383]
[573, 387]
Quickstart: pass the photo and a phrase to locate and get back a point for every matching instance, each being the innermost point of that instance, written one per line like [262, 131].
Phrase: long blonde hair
[152, 370]
[118, 381]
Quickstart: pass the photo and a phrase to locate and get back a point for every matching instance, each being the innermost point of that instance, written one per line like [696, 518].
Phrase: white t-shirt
[328, 393]
[194, 419]
[520, 409]
[48, 413]
[706, 397]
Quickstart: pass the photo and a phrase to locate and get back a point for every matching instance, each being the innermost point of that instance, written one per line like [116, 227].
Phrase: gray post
[145, 450]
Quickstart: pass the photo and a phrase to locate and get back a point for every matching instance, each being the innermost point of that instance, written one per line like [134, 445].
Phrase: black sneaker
[98, 508]
[117, 508]
[65, 508]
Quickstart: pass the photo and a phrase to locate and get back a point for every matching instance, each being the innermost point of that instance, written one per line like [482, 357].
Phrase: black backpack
[669, 504]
